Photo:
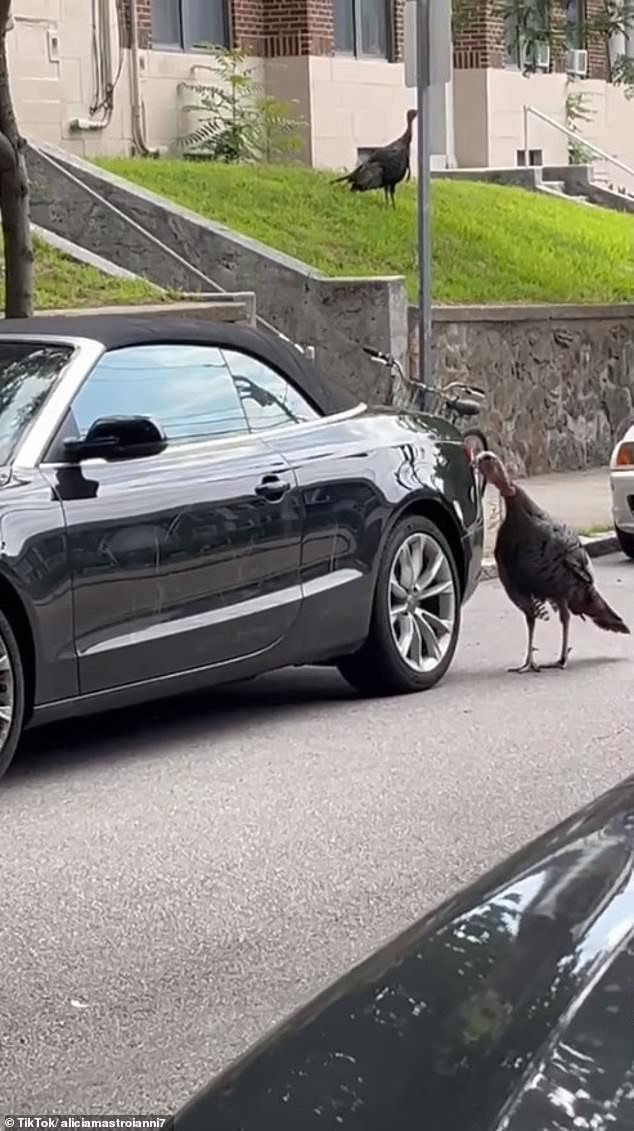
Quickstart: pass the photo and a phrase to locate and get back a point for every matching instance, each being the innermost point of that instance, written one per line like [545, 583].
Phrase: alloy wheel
[7, 693]
[422, 602]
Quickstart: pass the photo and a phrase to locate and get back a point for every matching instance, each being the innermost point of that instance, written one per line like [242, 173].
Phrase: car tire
[626, 542]
[383, 665]
[12, 694]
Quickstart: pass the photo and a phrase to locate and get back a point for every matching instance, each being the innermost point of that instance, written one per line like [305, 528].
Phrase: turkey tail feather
[603, 616]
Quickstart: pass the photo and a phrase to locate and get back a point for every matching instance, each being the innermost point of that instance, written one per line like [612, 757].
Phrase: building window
[187, 24]
[526, 33]
[575, 21]
[362, 27]
[512, 42]
[535, 157]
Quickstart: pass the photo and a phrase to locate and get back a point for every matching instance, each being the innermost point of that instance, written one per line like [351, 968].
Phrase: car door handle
[272, 487]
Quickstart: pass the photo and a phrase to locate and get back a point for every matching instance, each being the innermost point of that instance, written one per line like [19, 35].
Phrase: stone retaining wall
[559, 380]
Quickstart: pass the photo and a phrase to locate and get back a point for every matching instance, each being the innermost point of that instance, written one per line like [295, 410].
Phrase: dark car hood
[510, 1007]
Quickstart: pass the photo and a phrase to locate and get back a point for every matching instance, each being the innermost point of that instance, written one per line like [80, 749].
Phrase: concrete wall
[227, 310]
[362, 103]
[289, 80]
[611, 128]
[507, 92]
[489, 116]
[470, 104]
[559, 380]
[527, 178]
[489, 125]
[52, 79]
[337, 316]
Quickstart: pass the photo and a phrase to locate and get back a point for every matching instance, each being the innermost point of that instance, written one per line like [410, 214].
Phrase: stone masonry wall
[559, 380]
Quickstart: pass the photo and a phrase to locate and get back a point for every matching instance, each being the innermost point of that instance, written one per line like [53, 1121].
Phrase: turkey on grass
[541, 562]
[384, 168]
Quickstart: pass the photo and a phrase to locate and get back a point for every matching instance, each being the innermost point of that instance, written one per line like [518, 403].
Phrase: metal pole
[526, 109]
[424, 191]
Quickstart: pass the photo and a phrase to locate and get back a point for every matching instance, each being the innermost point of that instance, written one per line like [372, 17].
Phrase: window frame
[52, 456]
[357, 52]
[185, 46]
[235, 377]
[576, 27]
[32, 427]
[515, 40]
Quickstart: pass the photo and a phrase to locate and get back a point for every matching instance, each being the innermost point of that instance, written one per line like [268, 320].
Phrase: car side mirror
[117, 437]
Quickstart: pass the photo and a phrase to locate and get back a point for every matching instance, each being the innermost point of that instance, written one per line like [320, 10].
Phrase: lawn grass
[594, 531]
[491, 244]
[62, 283]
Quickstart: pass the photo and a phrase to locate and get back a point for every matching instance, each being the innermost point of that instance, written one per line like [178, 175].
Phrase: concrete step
[547, 188]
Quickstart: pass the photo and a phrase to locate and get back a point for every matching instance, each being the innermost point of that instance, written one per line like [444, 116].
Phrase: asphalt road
[174, 880]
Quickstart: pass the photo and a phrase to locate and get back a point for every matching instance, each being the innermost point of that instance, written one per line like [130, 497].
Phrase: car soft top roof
[116, 331]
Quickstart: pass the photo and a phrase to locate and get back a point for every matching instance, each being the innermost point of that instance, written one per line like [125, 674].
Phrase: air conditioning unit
[577, 63]
[542, 56]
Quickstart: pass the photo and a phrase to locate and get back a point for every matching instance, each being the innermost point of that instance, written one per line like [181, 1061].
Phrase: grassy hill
[61, 283]
[490, 243]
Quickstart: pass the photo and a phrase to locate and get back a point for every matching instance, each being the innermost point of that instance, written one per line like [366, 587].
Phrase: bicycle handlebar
[475, 390]
[444, 391]
[376, 355]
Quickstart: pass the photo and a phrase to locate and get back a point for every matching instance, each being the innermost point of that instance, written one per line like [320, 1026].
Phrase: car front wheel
[416, 615]
[11, 694]
[626, 542]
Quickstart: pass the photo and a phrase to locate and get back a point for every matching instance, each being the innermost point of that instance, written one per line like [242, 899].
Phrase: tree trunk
[14, 195]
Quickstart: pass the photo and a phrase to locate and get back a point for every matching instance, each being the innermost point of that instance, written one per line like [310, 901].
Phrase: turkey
[385, 168]
[542, 562]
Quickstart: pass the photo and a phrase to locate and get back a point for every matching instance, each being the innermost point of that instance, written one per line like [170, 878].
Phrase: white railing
[575, 137]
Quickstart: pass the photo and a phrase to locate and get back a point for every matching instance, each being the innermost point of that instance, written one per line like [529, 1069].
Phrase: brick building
[491, 88]
[105, 77]
[339, 61]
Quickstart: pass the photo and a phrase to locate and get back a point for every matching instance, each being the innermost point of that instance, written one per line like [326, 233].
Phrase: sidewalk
[580, 498]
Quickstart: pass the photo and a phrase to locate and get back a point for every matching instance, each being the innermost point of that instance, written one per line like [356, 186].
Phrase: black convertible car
[186, 502]
[509, 1008]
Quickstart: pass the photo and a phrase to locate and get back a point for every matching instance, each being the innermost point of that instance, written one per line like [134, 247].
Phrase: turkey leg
[564, 616]
[529, 664]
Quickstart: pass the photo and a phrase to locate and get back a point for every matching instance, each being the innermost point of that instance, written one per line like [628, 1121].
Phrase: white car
[622, 487]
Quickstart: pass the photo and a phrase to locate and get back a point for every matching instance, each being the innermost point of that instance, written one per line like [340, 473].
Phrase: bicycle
[456, 408]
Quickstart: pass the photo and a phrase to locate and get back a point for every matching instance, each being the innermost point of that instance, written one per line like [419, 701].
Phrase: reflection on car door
[185, 559]
[344, 510]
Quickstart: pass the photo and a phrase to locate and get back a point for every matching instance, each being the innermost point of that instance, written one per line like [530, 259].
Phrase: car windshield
[28, 371]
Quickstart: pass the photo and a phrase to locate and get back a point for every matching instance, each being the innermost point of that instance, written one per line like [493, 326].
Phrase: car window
[191, 392]
[269, 401]
[186, 390]
[28, 372]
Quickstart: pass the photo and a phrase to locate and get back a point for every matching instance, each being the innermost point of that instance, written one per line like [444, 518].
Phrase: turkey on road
[542, 562]
[384, 168]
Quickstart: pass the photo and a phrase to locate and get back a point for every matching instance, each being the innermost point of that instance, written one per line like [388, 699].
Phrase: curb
[600, 545]
[596, 547]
